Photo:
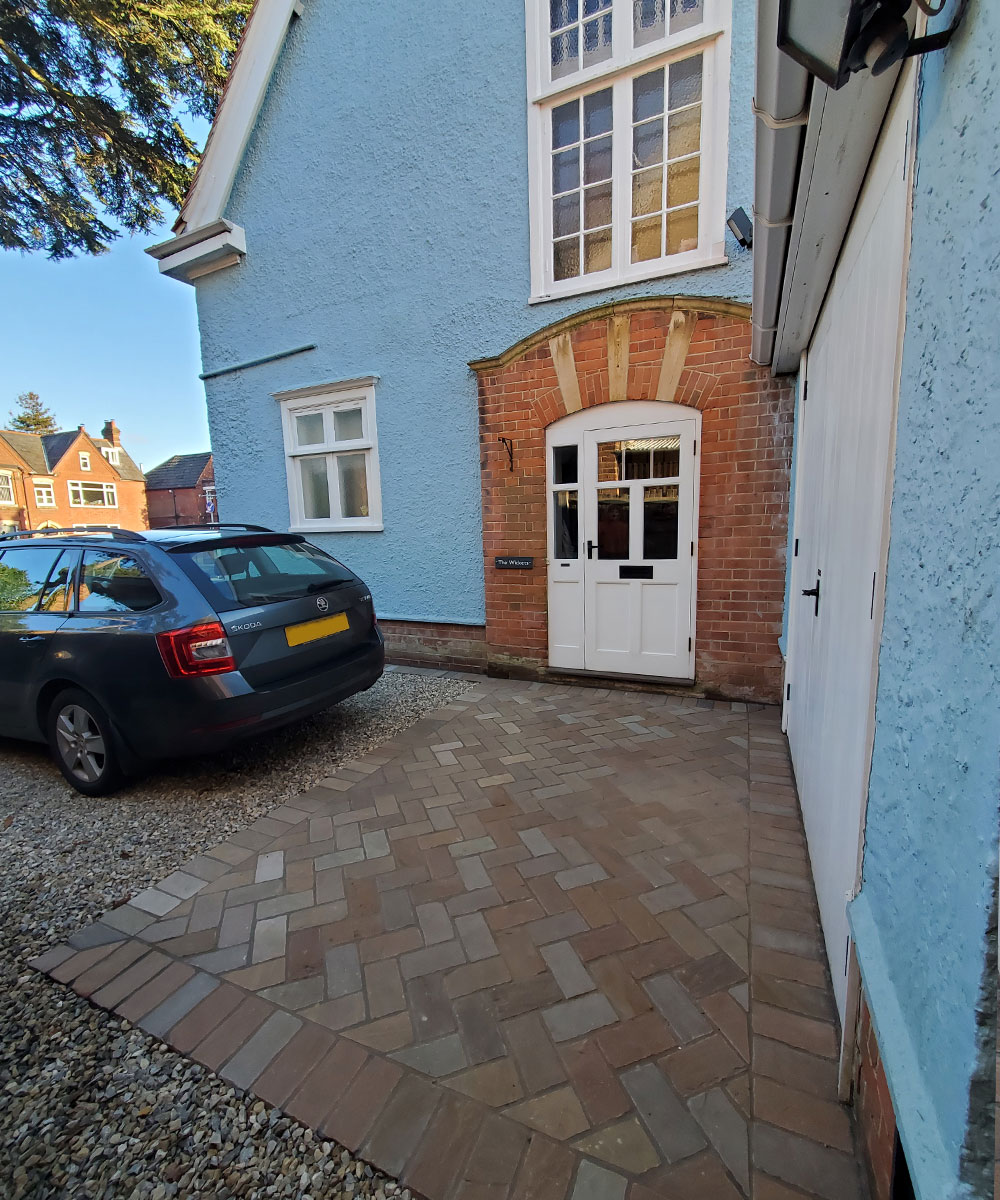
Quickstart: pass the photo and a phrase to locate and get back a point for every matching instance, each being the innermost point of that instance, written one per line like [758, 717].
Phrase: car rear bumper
[208, 714]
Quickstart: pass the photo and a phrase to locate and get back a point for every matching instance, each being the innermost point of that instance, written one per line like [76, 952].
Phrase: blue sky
[105, 337]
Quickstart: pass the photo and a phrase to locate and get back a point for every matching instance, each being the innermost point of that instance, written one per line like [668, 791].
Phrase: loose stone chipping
[89, 1105]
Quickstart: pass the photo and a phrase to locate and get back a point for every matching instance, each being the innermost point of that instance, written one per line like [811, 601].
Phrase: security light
[835, 38]
[741, 227]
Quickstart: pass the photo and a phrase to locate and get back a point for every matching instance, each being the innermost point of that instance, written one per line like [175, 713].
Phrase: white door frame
[566, 576]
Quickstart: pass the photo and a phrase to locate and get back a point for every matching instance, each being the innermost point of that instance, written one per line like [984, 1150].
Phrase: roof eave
[808, 176]
[203, 208]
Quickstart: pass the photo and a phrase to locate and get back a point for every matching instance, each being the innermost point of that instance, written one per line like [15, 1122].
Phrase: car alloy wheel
[83, 743]
[81, 746]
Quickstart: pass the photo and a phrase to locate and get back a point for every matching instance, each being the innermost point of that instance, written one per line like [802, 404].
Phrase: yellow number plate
[312, 631]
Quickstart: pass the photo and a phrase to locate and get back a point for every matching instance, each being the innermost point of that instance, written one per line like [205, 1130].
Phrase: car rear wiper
[325, 585]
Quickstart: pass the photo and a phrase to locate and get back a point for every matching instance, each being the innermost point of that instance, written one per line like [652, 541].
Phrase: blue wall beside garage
[384, 194]
[930, 859]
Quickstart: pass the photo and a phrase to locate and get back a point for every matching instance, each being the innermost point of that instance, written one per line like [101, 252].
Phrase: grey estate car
[118, 648]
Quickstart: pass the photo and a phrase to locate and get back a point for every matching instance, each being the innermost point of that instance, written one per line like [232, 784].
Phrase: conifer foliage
[90, 91]
[33, 416]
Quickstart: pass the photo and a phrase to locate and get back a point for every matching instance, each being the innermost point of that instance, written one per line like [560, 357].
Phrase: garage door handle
[36, 637]
[814, 591]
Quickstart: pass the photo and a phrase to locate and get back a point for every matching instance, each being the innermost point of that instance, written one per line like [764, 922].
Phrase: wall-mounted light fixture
[741, 227]
[835, 38]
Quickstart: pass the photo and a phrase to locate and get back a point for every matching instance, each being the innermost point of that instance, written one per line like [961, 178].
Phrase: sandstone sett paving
[522, 930]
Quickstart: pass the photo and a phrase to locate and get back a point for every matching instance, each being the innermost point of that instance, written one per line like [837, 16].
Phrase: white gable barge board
[263, 40]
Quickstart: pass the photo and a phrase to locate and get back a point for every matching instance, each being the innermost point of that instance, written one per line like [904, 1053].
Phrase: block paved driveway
[550, 941]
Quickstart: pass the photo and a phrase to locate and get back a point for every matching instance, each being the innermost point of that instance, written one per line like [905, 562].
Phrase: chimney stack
[112, 433]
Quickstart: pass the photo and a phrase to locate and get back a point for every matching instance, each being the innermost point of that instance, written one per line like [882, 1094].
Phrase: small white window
[331, 456]
[92, 495]
[112, 454]
[45, 495]
[628, 137]
[84, 461]
[6, 487]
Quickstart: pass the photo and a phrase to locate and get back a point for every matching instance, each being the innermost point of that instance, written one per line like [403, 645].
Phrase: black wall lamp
[741, 227]
[835, 38]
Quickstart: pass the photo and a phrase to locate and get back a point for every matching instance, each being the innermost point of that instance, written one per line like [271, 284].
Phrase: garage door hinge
[695, 445]
[788, 691]
[692, 549]
[796, 554]
[689, 645]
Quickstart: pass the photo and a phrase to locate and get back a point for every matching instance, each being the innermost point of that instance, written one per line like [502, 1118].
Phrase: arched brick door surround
[683, 350]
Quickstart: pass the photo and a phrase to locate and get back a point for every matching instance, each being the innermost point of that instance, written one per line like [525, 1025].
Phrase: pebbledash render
[486, 335]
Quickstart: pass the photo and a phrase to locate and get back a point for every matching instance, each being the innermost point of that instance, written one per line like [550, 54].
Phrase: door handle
[591, 547]
[34, 637]
[813, 591]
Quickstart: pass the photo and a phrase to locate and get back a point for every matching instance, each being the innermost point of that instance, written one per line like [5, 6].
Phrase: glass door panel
[612, 522]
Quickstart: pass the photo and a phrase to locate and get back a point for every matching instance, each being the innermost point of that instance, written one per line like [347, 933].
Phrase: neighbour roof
[181, 471]
[56, 445]
[44, 452]
[29, 447]
[125, 465]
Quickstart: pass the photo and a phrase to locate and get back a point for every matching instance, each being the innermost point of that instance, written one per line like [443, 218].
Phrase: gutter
[781, 98]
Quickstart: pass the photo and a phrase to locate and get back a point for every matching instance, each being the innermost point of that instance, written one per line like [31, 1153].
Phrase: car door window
[113, 582]
[24, 572]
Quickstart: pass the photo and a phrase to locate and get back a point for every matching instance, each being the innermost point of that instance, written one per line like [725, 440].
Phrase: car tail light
[197, 650]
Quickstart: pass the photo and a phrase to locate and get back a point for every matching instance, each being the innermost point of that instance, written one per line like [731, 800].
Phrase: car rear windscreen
[240, 576]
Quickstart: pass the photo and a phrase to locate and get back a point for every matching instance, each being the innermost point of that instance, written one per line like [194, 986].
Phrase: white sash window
[628, 136]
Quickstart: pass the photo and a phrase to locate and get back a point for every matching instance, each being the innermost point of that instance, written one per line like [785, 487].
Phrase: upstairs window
[92, 495]
[628, 129]
[45, 495]
[84, 461]
[112, 454]
[6, 487]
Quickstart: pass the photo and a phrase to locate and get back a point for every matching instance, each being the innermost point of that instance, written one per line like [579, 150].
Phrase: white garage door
[843, 472]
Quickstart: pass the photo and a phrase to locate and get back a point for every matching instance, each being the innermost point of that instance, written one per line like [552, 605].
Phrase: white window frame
[712, 39]
[112, 454]
[327, 399]
[84, 460]
[110, 494]
[7, 489]
[46, 487]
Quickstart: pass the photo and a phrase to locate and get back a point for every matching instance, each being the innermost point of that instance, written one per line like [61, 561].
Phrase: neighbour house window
[331, 456]
[84, 461]
[92, 495]
[45, 495]
[628, 128]
[6, 487]
[112, 454]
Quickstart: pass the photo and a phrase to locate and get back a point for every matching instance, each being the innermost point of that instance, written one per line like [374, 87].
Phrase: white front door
[622, 541]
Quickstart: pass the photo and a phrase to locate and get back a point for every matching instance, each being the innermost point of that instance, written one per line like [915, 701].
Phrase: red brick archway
[689, 351]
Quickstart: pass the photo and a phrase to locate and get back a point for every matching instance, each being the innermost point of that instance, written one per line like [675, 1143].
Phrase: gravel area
[89, 1105]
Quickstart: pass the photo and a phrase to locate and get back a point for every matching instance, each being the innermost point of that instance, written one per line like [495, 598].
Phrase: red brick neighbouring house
[69, 478]
[181, 491]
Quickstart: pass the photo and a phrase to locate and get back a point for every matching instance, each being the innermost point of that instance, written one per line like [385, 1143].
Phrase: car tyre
[83, 743]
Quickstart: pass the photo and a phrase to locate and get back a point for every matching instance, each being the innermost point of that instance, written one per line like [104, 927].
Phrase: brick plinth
[418, 644]
[694, 353]
[873, 1106]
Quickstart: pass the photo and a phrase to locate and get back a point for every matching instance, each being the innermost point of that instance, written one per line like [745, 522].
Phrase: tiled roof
[125, 465]
[181, 471]
[30, 448]
[56, 445]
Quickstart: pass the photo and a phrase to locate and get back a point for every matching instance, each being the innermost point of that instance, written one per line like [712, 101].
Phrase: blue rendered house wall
[931, 844]
[384, 195]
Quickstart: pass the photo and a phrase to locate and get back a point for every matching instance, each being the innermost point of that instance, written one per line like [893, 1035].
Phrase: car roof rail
[223, 525]
[111, 531]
